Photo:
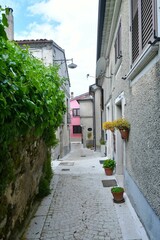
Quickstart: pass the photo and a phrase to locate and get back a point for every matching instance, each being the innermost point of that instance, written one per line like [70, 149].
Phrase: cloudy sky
[72, 24]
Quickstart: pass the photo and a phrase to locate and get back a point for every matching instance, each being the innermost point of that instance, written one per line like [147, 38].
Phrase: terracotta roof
[33, 41]
[30, 41]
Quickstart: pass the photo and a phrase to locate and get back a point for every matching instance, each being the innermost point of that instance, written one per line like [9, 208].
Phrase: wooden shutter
[143, 25]
[147, 15]
[135, 30]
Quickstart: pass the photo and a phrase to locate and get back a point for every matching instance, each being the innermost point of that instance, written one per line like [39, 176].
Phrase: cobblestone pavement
[79, 207]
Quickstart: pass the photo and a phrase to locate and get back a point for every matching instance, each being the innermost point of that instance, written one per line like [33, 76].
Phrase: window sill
[144, 59]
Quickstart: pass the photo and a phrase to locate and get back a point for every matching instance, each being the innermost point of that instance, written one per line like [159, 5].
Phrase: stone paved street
[79, 207]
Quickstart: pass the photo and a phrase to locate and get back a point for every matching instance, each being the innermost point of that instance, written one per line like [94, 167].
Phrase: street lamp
[71, 65]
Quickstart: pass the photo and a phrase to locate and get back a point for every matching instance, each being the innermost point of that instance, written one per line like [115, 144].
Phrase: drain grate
[101, 161]
[67, 163]
[65, 169]
[109, 183]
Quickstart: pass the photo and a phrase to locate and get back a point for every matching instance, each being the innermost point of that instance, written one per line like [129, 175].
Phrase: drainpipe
[94, 122]
[92, 90]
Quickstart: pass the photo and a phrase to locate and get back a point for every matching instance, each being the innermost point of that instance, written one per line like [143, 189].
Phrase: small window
[77, 129]
[76, 112]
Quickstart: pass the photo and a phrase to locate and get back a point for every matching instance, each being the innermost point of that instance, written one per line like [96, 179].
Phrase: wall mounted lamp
[89, 76]
[71, 65]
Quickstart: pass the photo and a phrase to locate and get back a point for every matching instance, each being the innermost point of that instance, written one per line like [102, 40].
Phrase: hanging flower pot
[123, 126]
[124, 133]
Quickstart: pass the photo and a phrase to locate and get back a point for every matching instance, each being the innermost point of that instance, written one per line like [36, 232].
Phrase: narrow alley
[80, 207]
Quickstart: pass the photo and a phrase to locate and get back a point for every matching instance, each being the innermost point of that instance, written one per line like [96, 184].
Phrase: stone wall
[28, 156]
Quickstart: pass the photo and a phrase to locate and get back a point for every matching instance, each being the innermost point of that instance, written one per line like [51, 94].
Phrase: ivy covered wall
[31, 109]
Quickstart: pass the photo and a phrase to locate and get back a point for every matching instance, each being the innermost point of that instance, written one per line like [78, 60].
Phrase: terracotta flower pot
[124, 133]
[118, 194]
[108, 171]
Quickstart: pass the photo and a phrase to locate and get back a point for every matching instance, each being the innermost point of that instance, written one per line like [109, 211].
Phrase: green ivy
[3, 21]
[31, 99]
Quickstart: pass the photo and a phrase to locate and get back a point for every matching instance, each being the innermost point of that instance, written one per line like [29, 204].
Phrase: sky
[72, 24]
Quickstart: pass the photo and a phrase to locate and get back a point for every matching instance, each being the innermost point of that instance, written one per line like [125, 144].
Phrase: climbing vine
[31, 102]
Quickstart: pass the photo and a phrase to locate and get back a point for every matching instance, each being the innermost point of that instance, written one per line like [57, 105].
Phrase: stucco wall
[140, 105]
[143, 153]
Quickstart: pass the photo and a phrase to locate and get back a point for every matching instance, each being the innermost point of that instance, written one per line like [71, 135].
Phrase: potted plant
[103, 147]
[117, 193]
[109, 165]
[108, 126]
[123, 126]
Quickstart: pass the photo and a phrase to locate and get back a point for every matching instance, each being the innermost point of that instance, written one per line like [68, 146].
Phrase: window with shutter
[135, 30]
[147, 21]
[143, 25]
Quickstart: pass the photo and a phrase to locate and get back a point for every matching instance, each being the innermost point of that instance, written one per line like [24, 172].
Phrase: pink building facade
[75, 127]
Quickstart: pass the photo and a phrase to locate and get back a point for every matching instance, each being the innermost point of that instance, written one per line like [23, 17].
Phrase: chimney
[10, 29]
[72, 95]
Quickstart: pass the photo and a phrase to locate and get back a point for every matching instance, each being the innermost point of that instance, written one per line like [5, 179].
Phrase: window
[76, 112]
[143, 25]
[77, 129]
[118, 45]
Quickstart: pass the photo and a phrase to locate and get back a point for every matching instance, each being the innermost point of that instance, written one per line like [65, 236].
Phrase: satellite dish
[101, 67]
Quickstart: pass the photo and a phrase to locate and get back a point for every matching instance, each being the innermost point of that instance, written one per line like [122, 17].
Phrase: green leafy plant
[102, 141]
[109, 163]
[3, 21]
[117, 189]
[31, 103]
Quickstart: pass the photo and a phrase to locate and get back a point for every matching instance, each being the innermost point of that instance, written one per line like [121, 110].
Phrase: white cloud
[76, 33]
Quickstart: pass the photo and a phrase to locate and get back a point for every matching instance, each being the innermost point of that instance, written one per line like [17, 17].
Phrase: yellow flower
[121, 123]
[108, 126]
